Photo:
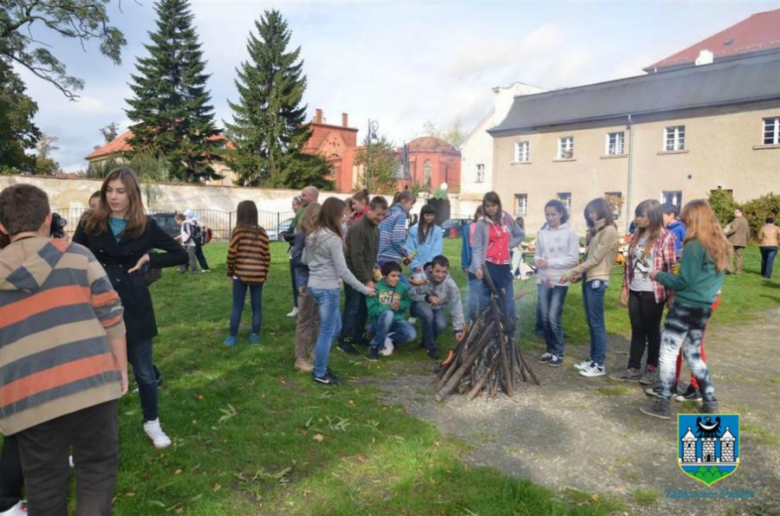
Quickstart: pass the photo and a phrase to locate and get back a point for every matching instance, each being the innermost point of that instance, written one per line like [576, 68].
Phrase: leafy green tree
[454, 135]
[83, 20]
[44, 164]
[18, 133]
[110, 132]
[383, 166]
[269, 129]
[170, 107]
[757, 210]
[723, 204]
[101, 169]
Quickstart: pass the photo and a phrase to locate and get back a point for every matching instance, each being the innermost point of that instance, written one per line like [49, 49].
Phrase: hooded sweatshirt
[448, 293]
[427, 250]
[59, 313]
[324, 255]
[560, 247]
[392, 236]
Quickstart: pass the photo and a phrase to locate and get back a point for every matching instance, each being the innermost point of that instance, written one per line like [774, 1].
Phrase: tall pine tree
[171, 107]
[269, 128]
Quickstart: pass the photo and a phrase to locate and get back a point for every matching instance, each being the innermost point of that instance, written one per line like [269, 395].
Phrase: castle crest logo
[708, 445]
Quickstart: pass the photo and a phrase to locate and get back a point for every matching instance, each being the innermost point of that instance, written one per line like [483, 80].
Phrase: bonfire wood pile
[489, 360]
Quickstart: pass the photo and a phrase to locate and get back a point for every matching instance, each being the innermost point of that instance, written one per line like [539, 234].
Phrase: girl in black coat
[120, 236]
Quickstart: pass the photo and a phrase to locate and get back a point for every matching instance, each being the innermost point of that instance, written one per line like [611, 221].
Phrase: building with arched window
[432, 161]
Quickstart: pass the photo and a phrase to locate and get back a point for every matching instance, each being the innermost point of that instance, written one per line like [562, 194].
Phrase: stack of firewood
[489, 360]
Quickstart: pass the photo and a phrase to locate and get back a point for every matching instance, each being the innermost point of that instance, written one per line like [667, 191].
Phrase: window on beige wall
[615, 143]
[521, 204]
[565, 198]
[674, 138]
[566, 147]
[480, 173]
[672, 197]
[772, 131]
[522, 152]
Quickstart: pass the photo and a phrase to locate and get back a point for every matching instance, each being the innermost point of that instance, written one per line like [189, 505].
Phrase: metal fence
[220, 222]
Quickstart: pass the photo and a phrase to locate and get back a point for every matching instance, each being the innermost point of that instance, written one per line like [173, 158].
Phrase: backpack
[206, 235]
[196, 233]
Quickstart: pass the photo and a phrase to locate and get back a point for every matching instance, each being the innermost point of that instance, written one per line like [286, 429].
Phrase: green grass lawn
[253, 436]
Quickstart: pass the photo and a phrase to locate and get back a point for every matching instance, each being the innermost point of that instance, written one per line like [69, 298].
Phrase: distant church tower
[689, 446]
[727, 446]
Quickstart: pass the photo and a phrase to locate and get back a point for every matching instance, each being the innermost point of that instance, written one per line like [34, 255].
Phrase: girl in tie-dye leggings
[706, 255]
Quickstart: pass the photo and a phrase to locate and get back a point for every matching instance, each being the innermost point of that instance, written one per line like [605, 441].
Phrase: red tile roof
[120, 144]
[758, 33]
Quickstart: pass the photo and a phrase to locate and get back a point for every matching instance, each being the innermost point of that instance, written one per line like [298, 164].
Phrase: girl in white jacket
[557, 251]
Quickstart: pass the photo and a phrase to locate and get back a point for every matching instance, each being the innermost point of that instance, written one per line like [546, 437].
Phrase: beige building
[672, 136]
[477, 149]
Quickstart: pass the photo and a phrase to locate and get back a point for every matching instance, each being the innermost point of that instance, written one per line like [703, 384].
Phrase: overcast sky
[401, 63]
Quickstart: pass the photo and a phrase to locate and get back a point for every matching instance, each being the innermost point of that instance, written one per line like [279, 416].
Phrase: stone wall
[74, 193]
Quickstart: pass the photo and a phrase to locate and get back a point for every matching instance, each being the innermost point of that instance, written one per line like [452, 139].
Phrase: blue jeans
[475, 292]
[768, 254]
[239, 297]
[502, 279]
[139, 354]
[386, 323]
[327, 300]
[434, 322]
[551, 301]
[353, 322]
[593, 297]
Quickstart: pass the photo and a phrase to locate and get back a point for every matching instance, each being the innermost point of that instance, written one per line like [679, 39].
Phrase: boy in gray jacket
[429, 301]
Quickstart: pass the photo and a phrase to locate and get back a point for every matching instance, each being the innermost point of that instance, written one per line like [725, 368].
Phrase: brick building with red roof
[760, 33]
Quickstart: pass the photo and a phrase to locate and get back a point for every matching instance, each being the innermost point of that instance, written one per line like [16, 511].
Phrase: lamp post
[373, 125]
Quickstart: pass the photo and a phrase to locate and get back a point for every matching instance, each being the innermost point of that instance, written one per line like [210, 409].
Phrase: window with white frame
[674, 138]
[565, 198]
[522, 152]
[521, 204]
[772, 131]
[671, 197]
[480, 173]
[616, 143]
[566, 147]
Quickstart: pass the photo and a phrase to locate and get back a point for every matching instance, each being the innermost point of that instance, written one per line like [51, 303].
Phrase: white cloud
[398, 63]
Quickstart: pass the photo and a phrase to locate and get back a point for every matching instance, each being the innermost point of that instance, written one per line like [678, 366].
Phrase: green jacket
[362, 248]
[385, 295]
[699, 281]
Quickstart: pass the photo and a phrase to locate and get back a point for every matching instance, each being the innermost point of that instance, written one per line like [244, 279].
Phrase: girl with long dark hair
[121, 236]
[594, 272]
[652, 248]
[425, 241]
[495, 235]
[324, 255]
[248, 261]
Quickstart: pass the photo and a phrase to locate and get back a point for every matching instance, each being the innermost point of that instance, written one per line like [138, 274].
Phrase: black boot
[659, 408]
[709, 407]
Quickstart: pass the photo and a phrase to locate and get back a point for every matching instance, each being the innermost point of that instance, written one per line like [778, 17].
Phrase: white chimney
[705, 57]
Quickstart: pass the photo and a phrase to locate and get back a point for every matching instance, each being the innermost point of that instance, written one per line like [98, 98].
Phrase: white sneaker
[582, 365]
[156, 434]
[16, 510]
[388, 349]
[593, 370]
[412, 320]
[294, 312]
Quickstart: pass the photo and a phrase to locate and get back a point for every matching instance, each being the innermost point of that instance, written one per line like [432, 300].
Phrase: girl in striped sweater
[248, 259]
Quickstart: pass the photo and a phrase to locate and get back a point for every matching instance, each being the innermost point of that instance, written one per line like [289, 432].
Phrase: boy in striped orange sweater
[63, 360]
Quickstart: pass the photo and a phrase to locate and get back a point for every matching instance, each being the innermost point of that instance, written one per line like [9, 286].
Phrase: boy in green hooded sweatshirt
[387, 311]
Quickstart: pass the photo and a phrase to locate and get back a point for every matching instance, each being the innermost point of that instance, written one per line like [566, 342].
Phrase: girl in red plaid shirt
[651, 248]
